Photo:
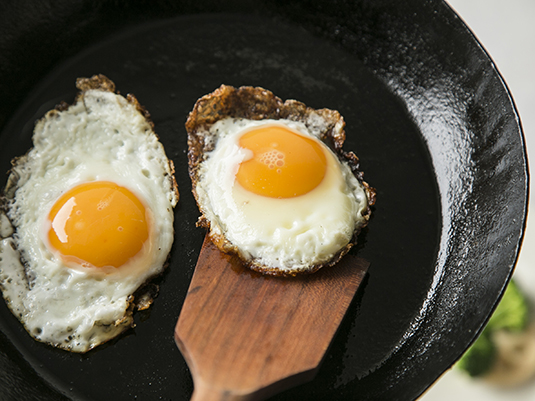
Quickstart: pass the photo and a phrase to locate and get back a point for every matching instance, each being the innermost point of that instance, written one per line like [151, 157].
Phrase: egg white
[291, 234]
[101, 137]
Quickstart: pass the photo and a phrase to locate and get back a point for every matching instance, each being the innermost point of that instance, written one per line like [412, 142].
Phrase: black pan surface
[426, 111]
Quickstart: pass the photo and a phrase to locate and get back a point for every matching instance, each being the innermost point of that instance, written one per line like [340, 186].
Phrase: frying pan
[426, 110]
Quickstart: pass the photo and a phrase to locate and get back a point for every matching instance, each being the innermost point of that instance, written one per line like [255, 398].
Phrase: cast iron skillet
[426, 111]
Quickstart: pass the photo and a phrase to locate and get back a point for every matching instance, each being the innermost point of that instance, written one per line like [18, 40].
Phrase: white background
[506, 29]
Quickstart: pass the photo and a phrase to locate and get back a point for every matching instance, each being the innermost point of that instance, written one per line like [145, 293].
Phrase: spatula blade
[246, 336]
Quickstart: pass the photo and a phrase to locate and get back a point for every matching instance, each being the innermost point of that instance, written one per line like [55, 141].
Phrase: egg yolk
[98, 224]
[285, 164]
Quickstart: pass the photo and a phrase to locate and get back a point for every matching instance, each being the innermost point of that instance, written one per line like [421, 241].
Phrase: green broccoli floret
[512, 313]
[479, 357]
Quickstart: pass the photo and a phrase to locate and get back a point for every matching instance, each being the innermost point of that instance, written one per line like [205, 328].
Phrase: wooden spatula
[246, 336]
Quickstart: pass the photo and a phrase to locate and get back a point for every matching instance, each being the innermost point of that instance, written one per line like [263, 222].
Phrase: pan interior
[426, 170]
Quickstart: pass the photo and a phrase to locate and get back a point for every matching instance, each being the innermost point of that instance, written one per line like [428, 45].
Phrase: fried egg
[88, 219]
[268, 187]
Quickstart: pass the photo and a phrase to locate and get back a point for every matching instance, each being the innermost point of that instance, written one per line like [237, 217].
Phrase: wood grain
[246, 336]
